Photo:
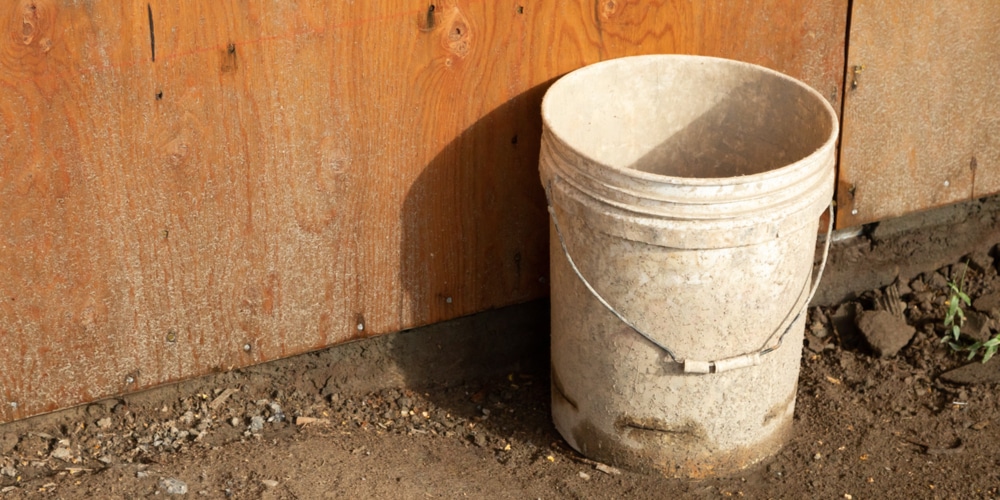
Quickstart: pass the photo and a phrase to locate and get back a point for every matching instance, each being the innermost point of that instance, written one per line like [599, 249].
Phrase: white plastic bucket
[686, 194]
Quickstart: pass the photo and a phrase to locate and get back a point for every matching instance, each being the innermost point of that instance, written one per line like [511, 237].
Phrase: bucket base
[664, 451]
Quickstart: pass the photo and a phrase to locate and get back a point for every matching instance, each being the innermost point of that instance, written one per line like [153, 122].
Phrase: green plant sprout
[955, 318]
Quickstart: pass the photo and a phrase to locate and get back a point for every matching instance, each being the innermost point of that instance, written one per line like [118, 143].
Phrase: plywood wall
[188, 186]
[922, 108]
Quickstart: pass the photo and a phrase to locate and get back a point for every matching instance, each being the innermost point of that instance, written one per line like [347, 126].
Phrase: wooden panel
[922, 126]
[191, 186]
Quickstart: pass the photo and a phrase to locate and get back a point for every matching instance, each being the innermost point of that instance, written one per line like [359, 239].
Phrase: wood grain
[922, 127]
[195, 186]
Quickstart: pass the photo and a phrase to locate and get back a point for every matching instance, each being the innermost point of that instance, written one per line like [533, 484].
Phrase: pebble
[256, 424]
[607, 469]
[104, 423]
[478, 439]
[270, 483]
[276, 414]
[62, 454]
[174, 486]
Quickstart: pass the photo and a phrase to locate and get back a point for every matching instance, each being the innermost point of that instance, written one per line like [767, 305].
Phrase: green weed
[955, 318]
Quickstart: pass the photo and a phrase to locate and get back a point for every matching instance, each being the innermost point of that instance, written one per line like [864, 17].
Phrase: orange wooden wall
[922, 108]
[188, 186]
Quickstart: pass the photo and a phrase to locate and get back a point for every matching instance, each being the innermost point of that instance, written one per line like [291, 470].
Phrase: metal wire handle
[721, 365]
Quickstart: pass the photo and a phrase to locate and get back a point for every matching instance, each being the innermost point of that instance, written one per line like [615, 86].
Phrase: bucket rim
[829, 143]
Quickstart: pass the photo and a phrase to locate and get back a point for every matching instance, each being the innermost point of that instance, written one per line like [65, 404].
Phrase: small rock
[256, 424]
[987, 302]
[173, 486]
[584, 476]
[8, 471]
[818, 456]
[104, 423]
[478, 439]
[974, 373]
[276, 414]
[976, 326]
[818, 329]
[816, 345]
[63, 454]
[404, 402]
[924, 299]
[235, 422]
[141, 474]
[885, 332]
[918, 285]
[270, 483]
[937, 280]
[607, 469]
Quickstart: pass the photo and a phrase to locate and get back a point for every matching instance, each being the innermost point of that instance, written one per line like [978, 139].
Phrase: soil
[868, 424]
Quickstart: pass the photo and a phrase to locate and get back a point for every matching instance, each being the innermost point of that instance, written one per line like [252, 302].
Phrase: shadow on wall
[475, 237]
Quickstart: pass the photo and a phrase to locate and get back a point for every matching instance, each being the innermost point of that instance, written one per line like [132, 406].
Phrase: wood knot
[608, 8]
[35, 19]
[457, 38]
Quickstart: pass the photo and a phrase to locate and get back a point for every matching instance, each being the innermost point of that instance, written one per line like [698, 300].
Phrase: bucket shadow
[475, 237]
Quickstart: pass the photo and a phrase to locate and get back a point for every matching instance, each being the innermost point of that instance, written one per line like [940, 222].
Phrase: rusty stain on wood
[252, 180]
[922, 121]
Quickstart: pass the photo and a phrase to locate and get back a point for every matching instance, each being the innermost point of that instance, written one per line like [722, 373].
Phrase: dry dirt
[865, 427]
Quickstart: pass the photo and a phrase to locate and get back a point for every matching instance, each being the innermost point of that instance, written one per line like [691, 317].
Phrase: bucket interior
[685, 116]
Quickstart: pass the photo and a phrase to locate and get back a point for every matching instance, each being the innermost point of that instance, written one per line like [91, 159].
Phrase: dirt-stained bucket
[685, 195]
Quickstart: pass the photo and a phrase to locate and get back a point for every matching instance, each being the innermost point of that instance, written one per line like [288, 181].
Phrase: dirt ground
[869, 423]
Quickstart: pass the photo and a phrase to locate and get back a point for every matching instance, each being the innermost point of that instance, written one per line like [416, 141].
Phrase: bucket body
[687, 192]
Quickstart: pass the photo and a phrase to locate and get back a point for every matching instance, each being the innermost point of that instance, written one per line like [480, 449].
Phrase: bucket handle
[720, 365]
